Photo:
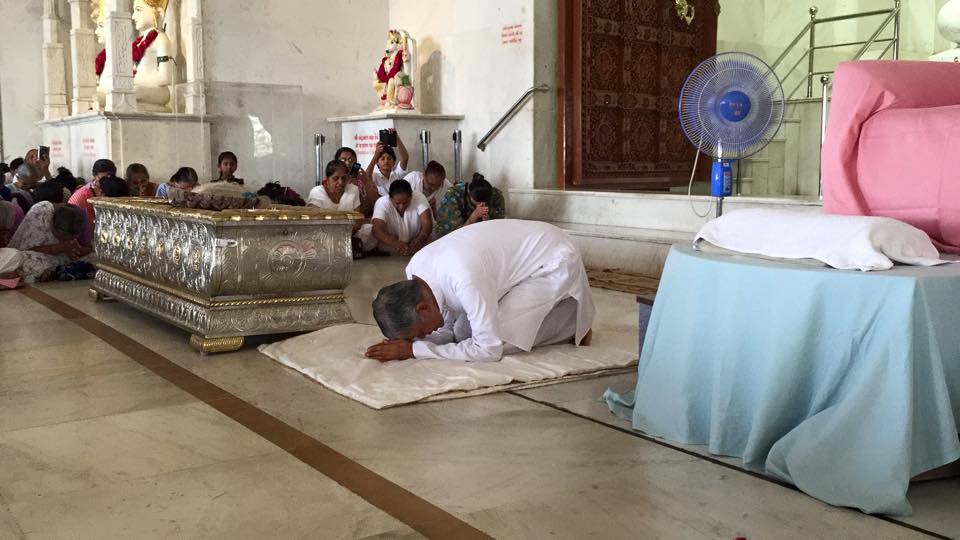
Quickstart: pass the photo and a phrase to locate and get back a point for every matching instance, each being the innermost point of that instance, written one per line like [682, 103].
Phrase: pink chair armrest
[861, 90]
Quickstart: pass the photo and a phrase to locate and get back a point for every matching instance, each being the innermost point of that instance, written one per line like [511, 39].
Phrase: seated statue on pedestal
[394, 76]
[152, 56]
[152, 51]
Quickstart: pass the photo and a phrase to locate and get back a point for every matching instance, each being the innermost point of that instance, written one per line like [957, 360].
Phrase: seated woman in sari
[48, 238]
[468, 203]
[358, 177]
[336, 193]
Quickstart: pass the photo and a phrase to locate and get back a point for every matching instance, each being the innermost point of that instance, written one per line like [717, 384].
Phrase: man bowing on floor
[493, 288]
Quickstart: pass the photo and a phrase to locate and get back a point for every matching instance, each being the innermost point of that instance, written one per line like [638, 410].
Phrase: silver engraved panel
[215, 259]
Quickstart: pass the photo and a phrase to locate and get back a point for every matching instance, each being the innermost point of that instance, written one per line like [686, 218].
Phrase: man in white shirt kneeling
[494, 288]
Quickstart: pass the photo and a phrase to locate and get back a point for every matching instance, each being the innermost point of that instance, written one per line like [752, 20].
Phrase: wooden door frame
[569, 93]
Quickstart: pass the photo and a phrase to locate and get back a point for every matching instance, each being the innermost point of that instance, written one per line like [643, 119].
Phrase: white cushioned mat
[334, 357]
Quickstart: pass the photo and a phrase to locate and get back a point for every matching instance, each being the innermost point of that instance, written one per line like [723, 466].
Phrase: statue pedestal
[162, 142]
[362, 133]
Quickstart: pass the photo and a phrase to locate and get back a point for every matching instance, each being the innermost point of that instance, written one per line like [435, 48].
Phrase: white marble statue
[153, 56]
[98, 14]
[152, 49]
[393, 79]
[948, 22]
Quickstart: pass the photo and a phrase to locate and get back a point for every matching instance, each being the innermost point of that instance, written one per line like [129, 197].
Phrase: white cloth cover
[365, 234]
[9, 260]
[505, 276]
[223, 189]
[407, 226]
[334, 357]
[845, 242]
[349, 201]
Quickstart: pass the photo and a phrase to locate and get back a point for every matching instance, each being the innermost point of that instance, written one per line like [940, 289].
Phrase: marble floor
[93, 444]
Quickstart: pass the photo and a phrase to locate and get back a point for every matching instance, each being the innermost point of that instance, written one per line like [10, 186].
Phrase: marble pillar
[117, 77]
[82, 55]
[194, 102]
[54, 65]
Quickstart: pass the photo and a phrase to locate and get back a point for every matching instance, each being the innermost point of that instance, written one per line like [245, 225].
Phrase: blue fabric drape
[846, 384]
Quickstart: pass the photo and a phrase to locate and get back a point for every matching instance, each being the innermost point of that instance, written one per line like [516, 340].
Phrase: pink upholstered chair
[892, 146]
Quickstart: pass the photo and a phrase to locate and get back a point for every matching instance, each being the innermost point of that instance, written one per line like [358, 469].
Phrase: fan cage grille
[701, 121]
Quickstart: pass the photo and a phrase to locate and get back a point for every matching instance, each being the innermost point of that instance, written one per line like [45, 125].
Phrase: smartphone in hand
[43, 153]
[388, 137]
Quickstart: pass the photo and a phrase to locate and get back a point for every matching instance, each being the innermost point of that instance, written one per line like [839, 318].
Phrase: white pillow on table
[845, 242]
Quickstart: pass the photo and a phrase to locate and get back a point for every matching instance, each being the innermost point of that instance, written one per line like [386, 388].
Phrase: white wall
[21, 75]
[468, 70]
[330, 48]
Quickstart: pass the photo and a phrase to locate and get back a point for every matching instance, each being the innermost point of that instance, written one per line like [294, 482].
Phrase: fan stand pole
[739, 177]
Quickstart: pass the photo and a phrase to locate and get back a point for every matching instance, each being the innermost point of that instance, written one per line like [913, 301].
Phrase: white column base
[120, 102]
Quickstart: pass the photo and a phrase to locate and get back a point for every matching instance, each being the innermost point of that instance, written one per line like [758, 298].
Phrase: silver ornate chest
[225, 275]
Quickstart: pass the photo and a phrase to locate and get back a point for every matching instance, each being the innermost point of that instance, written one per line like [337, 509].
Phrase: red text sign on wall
[89, 147]
[511, 33]
[366, 144]
[56, 148]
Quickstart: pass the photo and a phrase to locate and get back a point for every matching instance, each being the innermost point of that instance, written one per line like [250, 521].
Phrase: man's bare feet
[587, 338]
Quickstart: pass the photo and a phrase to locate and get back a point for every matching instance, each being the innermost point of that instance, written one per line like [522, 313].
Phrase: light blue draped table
[845, 384]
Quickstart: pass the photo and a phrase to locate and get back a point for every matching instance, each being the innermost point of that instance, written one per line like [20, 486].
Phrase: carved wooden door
[629, 60]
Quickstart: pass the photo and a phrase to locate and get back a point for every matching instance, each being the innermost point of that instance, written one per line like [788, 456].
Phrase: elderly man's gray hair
[395, 308]
[26, 170]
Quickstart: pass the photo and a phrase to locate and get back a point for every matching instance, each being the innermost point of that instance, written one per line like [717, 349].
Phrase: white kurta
[416, 182]
[405, 226]
[349, 201]
[382, 182]
[504, 276]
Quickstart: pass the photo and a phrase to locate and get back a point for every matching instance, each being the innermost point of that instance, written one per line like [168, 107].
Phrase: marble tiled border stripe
[691, 453]
[419, 514]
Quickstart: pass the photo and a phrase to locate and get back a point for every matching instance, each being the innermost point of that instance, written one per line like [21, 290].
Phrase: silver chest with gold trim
[225, 275]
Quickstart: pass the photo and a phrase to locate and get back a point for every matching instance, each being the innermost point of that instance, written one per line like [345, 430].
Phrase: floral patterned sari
[37, 230]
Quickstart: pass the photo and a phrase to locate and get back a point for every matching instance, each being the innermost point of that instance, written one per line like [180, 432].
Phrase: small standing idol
[394, 76]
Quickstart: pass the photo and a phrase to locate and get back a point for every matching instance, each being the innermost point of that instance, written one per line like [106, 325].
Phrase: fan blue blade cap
[734, 106]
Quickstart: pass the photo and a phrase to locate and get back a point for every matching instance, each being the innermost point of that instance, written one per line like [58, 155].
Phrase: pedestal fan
[731, 107]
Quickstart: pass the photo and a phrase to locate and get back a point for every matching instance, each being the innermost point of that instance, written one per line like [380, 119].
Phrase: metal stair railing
[482, 145]
[892, 15]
